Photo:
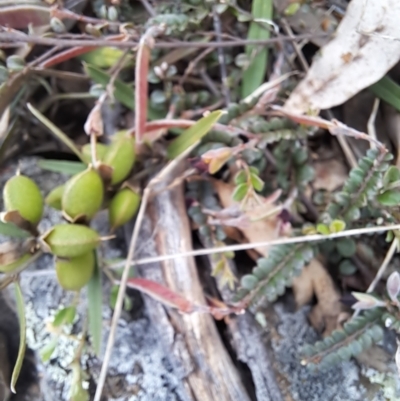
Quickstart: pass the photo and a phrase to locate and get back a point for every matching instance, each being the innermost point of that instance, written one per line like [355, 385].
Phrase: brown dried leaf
[315, 280]
[261, 230]
[364, 48]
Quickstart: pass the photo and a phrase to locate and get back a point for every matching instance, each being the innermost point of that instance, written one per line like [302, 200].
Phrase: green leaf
[11, 230]
[22, 336]
[104, 57]
[64, 316]
[240, 177]
[62, 166]
[55, 131]
[347, 268]
[257, 182]
[392, 175]
[95, 302]
[346, 247]
[337, 226]
[292, 9]
[249, 281]
[123, 92]
[391, 197]
[193, 134]
[323, 229]
[47, 351]
[254, 75]
[387, 90]
[240, 192]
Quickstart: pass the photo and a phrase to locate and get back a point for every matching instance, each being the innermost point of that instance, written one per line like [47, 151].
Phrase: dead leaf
[364, 48]
[329, 174]
[315, 280]
[261, 230]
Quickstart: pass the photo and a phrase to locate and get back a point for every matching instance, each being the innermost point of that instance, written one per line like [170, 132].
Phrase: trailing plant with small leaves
[357, 335]
[274, 273]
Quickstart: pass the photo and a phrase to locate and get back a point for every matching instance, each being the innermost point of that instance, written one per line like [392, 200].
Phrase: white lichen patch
[341, 383]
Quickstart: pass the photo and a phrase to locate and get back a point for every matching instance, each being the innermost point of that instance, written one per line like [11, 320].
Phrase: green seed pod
[83, 195]
[70, 240]
[74, 273]
[86, 150]
[123, 207]
[121, 157]
[22, 194]
[54, 197]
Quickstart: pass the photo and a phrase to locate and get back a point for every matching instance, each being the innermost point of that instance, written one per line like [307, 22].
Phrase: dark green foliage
[357, 335]
[273, 274]
[360, 188]
[293, 167]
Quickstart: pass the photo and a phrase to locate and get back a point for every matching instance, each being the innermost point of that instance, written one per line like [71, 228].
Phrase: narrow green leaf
[64, 316]
[104, 57]
[123, 92]
[11, 230]
[55, 131]
[22, 334]
[253, 77]
[47, 351]
[95, 302]
[193, 134]
[240, 177]
[257, 182]
[62, 166]
[240, 192]
[387, 90]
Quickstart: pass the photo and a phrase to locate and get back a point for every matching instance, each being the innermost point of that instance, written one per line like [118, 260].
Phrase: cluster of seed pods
[79, 199]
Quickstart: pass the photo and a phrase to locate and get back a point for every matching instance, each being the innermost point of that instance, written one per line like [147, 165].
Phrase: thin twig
[127, 265]
[384, 265]
[14, 39]
[371, 122]
[280, 241]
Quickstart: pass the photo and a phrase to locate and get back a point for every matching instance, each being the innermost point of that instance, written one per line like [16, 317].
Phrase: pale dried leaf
[393, 286]
[315, 280]
[365, 47]
[329, 175]
[257, 231]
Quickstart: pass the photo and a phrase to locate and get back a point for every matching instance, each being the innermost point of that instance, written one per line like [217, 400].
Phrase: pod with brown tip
[74, 273]
[70, 240]
[53, 199]
[21, 194]
[83, 195]
[120, 156]
[123, 207]
[86, 150]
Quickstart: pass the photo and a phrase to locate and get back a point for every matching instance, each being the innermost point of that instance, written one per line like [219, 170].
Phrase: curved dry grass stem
[253, 245]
